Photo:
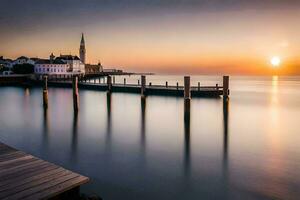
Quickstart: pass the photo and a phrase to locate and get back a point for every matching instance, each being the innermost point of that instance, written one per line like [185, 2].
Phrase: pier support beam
[187, 97]
[109, 86]
[225, 86]
[75, 94]
[45, 92]
[143, 86]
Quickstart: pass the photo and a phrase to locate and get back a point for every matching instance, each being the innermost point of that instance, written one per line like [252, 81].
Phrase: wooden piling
[225, 86]
[109, 86]
[143, 86]
[75, 94]
[187, 97]
[187, 87]
[198, 86]
[45, 92]
[124, 81]
[166, 84]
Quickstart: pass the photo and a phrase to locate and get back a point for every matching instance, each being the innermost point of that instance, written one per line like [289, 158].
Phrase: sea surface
[247, 148]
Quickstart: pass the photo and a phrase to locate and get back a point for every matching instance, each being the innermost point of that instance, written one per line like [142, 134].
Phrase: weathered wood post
[45, 92]
[166, 84]
[124, 81]
[109, 86]
[177, 86]
[225, 86]
[198, 86]
[187, 97]
[75, 94]
[143, 87]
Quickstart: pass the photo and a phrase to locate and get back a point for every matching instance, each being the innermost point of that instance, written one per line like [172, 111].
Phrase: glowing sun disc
[275, 61]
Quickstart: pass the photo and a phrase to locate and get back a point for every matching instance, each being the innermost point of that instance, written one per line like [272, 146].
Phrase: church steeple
[82, 49]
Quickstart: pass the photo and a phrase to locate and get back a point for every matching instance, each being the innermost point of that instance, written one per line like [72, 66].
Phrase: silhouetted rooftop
[68, 57]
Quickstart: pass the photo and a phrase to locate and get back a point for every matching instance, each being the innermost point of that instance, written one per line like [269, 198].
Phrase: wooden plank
[40, 187]
[29, 188]
[58, 189]
[34, 172]
[17, 162]
[21, 167]
[23, 175]
[32, 161]
[22, 171]
[6, 150]
[12, 155]
[22, 181]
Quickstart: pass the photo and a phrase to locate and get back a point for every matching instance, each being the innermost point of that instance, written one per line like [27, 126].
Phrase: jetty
[23, 176]
[107, 83]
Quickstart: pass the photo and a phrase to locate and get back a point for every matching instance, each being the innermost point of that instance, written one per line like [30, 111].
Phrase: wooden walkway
[203, 91]
[23, 176]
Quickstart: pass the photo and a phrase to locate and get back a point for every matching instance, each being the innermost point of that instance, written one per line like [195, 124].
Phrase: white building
[75, 64]
[51, 66]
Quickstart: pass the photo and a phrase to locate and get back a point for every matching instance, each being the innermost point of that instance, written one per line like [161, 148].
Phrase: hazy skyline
[187, 36]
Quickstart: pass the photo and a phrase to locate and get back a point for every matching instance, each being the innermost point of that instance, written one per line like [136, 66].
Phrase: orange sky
[232, 42]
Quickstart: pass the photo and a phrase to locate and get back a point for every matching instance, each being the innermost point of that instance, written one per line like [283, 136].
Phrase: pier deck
[23, 176]
[203, 91]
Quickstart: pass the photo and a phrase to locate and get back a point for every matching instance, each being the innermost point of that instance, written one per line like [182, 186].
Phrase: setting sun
[275, 61]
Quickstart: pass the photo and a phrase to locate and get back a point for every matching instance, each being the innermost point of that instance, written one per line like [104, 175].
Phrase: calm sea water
[134, 151]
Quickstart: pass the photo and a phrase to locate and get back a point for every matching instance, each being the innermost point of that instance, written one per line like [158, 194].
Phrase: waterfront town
[54, 65]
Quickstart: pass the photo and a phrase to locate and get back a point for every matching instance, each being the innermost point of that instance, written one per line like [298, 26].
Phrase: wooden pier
[23, 176]
[147, 89]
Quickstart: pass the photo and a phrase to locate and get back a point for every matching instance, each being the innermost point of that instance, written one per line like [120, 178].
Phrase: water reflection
[45, 127]
[225, 147]
[108, 128]
[74, 138]
[225, 124]
[143, 124]
[187, 158]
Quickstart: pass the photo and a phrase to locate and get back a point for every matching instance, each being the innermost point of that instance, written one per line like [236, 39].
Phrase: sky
[169, 36]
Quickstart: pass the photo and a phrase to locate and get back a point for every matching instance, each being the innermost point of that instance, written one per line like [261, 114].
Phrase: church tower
[82, 50]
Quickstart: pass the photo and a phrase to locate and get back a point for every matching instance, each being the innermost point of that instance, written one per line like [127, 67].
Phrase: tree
[23, 68]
